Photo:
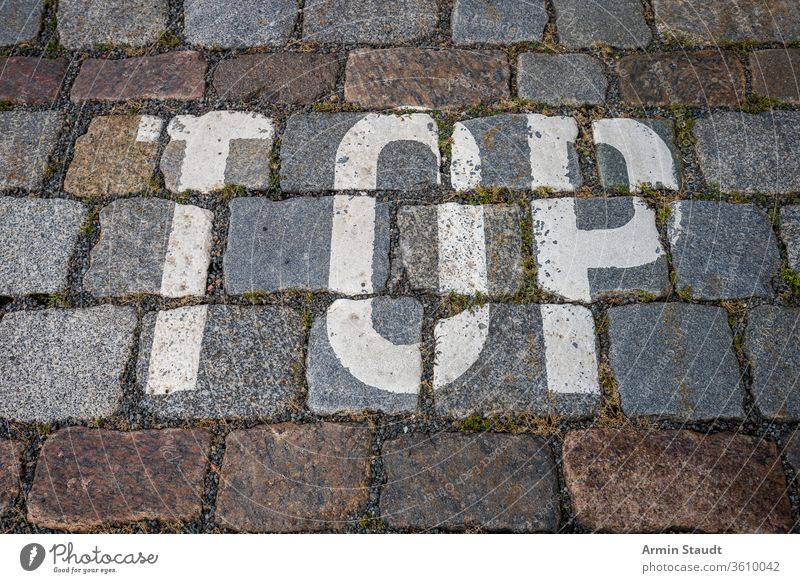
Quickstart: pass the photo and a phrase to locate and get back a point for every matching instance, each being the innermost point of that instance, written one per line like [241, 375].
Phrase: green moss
[456, 303]
[306, 319]
[5, 105]
[54, 300]
[684, 126]
[87, 228]
[474, 424]
[663, 212]
[760, 103]
[169, 40]
[601, 327]
[643, 296]
[791, 277]
[372, 523]
[685, 293]
[231, 191]
[255, 296]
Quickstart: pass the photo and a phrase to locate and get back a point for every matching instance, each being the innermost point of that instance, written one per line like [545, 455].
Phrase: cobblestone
[790, 234]
[775, 74]
[498, 22]
[31, 80]
[574, 79]
[247, 23]
[82, 25]
[19, 21]
[615, 23]
[369, 21]
[28, 140]
[792, 453]
[10, 470]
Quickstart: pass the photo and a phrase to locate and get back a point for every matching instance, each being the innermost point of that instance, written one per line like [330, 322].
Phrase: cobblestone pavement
[399, 265]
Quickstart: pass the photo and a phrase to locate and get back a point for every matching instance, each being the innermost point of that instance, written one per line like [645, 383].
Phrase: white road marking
[465, 168]
[462, 249]
[149, 129]
[569, 342]
[549, 139]
[352, 245]
[188, 252]
[175, 354]
[459, 342]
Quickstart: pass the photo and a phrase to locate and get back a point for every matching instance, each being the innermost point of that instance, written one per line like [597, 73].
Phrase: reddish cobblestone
[649, 482]
[776, 74]
[10, 467]
[425, 77]
[792, 452]
[178, 75]
[87, 478]
[31, 80]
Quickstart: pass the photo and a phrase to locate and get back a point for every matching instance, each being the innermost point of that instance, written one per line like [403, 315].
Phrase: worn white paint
[465, 168]
[367, 355]
[462, 249]
[149, 129]
[352, 245]
[175, 354]
[208, 139]
[459, 342]
[356, 165]
[565, 254]
[188, 252]
[675, 224]
[569, 345]
[647, 157]
[549, 139]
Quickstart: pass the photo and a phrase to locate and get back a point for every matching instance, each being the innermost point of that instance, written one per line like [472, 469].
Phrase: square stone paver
[85, 23]
[338, 244]
[369, 21]
[774, 74]
[498, 22]
[461, 248]
[221, 147]
[771, 343]
[245, 23]
[290, 478]
[116, 155]
[37, 239]
[365, 355]
[57, 365]
[561, 79]
[10, 471]
[535, 359]
[357, 151]
[220, 361]
[517, 151]
[27, 139]
[19, 21]
[457, 481]
[590, 248]
[151, 246]
[31, 80]
[790, 234]
[675, 361]
[616, 23]
[721, 250]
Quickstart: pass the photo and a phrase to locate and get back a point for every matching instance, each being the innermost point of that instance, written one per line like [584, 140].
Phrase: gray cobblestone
[616, 23]
[561, 79]
[498, 21]
[19, 21]
[245, 23]
[137, 23]
[369, 21]
[28, 140]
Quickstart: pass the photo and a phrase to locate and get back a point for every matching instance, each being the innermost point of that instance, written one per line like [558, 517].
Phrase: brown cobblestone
[776, 74]
[31, 80]
[10, 467]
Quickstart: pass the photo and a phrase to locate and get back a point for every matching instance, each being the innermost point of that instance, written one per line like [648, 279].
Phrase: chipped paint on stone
[462, 249]
[188, 252]
[150, 128]
[570, 356]
[465, 169]
[459, 343]
[352, 245]
[175, 354]
[549, 139]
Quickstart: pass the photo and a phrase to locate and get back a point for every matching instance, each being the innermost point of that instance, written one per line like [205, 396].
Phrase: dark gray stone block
[498, 22]
[574, 79]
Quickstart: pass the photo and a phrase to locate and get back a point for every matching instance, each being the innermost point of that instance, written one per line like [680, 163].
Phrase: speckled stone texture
[771, 344]
[622, 481]
[88, 478]
[113, 157]
[57, 365]
[85, 23]
[753, 153]
[675, 361]
[37, 239]
[497, 483]
[498, 21]
[698, 79]
[616, 23]
[791, 451]
[19, 21]
[290, 478]
[369, 21]
[174, 75]
[248, 364]
[31, 80]
[291, 78]
[28, 139]
[722, 250]
[10, 469]
[561, 79]
[245, 23]
[775, 73]
[413, 77]
[790, 234]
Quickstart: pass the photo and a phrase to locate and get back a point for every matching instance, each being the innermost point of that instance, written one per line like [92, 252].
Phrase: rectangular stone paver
[615, 23]
[369, 21]
[117, 155]
[82, 24]
[290, 478]
[61, 364]
[220, 361]
[457, 481]
[771, 344]
[10, 471]
[292, 78]
[414, 77]
[20, 21]
[365, 355]
[174, 75]
[461, 248]
[151, 246]
[775, 74]
[675, 361]
[754, 153]
[245, 23]
[498, 22]
[591, 248]
[534, 359]
[37, 239]
[516, 151]
[338, 243]
[790, 233]
[31, 80]
[721, 250]
[574, 79]
[26, 141]
[650, 482]
[358, 151]
[88, 478]
[699, 78]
